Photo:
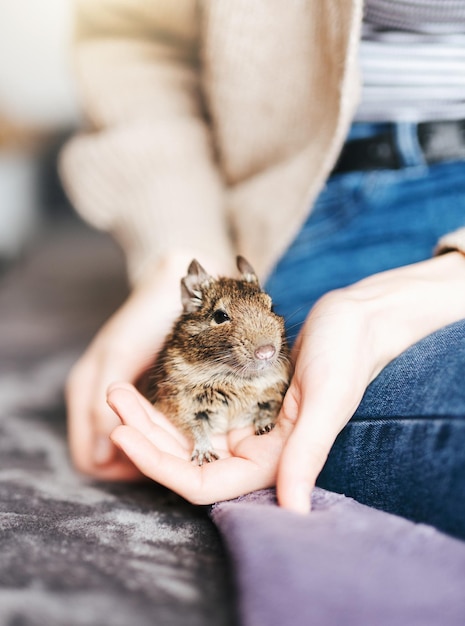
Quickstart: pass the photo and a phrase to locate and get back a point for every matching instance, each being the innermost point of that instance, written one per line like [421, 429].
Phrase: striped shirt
[412, 59]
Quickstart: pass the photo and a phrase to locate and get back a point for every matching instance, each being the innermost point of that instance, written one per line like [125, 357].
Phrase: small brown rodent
[225, 363]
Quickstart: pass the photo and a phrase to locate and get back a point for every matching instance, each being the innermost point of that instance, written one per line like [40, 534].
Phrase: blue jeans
[404, 449]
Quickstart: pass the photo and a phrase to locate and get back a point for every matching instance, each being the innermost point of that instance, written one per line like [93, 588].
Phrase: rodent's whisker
[303, 307]
[296, 325]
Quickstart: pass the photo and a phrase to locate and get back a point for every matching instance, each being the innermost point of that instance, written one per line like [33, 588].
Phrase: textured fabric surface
[412, 58]
[75, 552]
[345, 563]
[196, 136]
[411, 14]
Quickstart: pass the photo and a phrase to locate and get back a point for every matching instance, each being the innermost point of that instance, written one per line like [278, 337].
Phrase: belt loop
[407, 143]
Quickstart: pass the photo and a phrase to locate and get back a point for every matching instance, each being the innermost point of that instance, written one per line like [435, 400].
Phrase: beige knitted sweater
[213, 123]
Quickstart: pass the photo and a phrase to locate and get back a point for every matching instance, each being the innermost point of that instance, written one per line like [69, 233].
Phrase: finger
[126, 403]
[81, 434]
[295, 485]
[120, 469]
[79, 417]
[149, 409]
[126, 395]
[135, 410]
[90, 422]
[103, 418]
[103, 421]
[119, 366]
[221, 480]
[318, 418]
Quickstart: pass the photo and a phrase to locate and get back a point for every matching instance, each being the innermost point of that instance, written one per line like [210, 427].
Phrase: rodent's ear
[191, 287]
[246, 270]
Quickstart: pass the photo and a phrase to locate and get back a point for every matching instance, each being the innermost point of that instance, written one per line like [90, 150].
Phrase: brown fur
[208, 378]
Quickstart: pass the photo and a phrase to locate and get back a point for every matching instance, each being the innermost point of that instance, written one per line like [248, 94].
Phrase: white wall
[36, 84]
[37, 92]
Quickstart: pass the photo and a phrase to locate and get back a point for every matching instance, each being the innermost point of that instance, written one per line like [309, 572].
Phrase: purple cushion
[343, 564]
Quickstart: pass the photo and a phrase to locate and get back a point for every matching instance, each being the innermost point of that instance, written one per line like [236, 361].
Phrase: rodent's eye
[220, 316]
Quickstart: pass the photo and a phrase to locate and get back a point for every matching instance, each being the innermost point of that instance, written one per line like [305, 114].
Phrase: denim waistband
[402, 144]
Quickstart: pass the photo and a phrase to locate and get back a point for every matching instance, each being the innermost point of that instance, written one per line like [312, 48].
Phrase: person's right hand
[121, 351]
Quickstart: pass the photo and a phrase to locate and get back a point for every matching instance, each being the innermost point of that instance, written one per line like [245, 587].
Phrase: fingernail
[301, 498]
[103, 450]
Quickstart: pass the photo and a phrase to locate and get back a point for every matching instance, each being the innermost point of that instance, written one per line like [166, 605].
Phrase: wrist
[403, 305]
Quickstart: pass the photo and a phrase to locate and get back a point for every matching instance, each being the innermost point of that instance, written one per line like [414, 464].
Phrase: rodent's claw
[266, 428]
[202, 456]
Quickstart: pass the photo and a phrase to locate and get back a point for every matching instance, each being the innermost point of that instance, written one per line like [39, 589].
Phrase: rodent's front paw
[202, 456]
[262, 429]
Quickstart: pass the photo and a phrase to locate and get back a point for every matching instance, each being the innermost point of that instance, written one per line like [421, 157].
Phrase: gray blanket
[76, 552]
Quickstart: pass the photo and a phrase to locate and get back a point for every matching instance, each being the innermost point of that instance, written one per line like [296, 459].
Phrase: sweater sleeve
[145, 171]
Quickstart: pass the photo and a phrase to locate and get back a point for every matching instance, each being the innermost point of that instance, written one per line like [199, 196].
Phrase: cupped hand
[348, 337]
[122, 350]
[247, 462]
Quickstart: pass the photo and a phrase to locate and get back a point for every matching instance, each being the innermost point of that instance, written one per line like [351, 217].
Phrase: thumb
[318, 417]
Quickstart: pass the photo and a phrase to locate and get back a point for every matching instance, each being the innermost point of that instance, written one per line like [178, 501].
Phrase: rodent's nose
[266, 352]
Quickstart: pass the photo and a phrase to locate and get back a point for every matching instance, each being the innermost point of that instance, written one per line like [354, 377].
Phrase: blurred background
[38, 111]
